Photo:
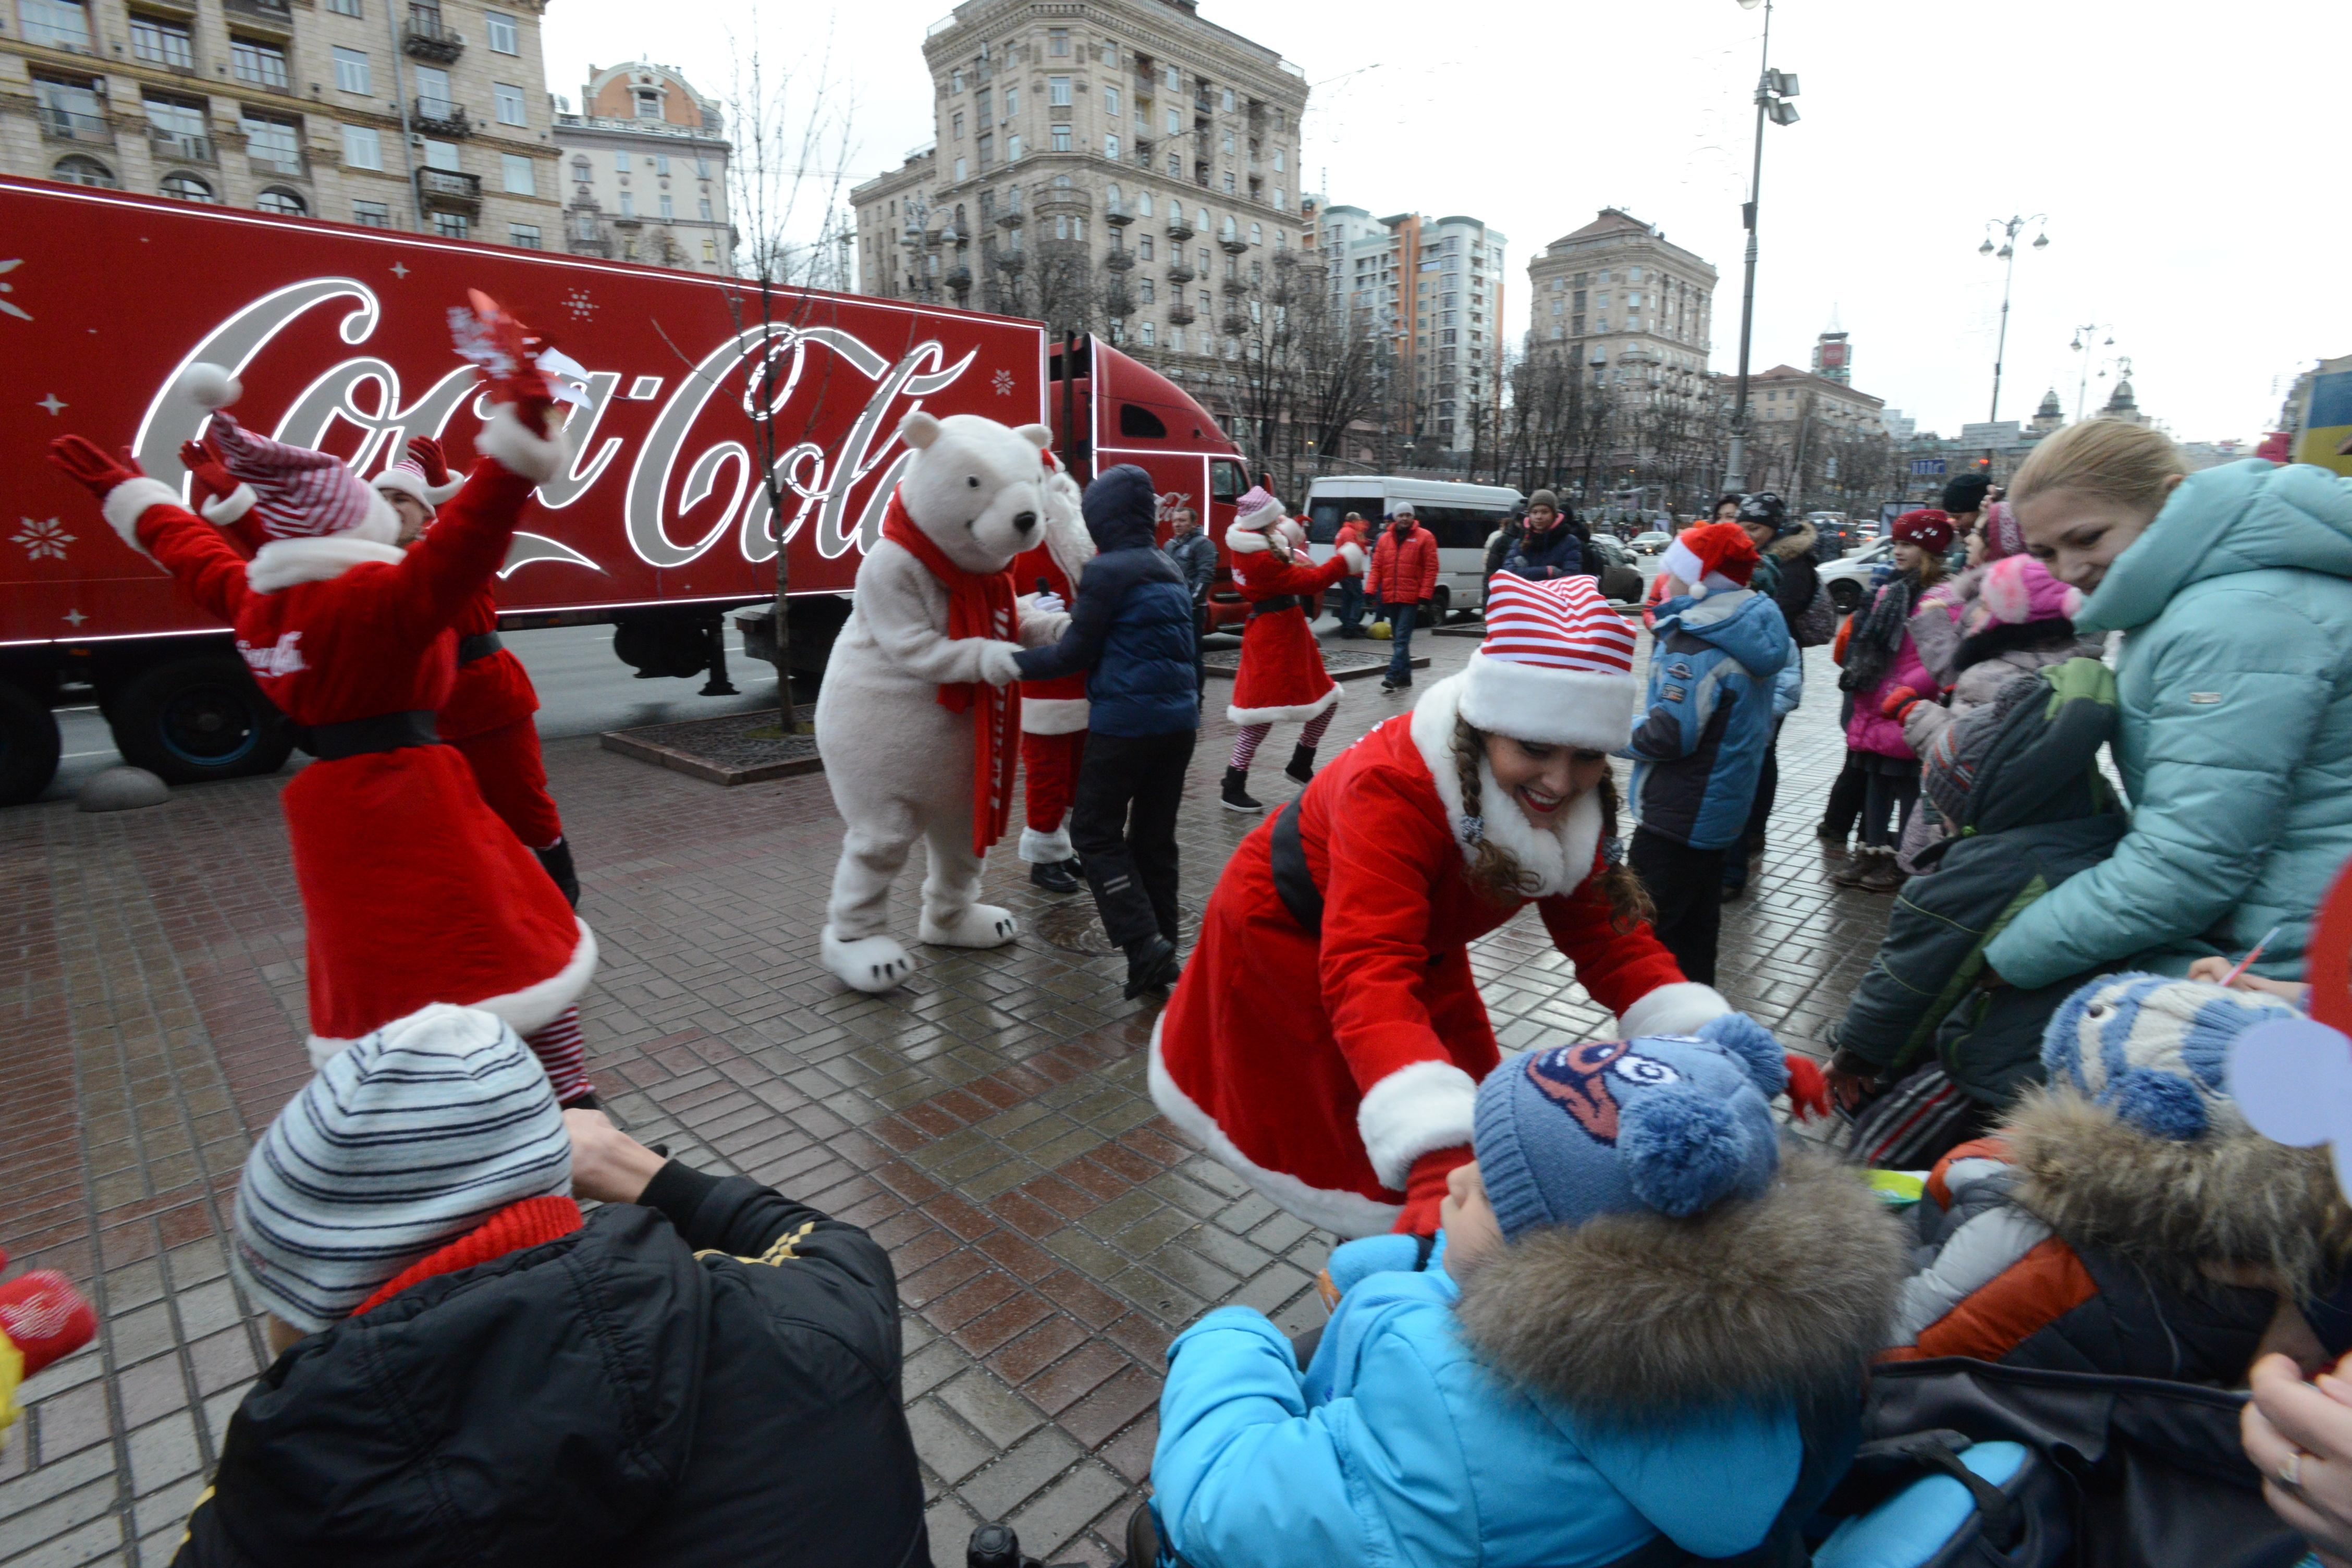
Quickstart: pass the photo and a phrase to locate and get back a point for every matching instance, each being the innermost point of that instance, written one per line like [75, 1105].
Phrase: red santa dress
[413, 891]
[1330, 1067]
[1281, 674]
[1054, 713]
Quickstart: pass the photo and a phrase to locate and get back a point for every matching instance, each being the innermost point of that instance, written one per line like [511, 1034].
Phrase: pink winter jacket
[1868, 729]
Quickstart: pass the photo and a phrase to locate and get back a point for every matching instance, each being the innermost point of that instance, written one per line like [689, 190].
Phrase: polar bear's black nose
[1024, 520]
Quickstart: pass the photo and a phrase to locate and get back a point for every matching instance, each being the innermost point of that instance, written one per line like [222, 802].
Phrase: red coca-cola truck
[340, 338]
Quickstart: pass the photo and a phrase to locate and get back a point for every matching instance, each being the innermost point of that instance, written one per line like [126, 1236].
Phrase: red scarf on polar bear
[979, 606]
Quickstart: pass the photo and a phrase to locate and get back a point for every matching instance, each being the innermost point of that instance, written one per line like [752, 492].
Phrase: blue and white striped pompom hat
[400, 1144]
[2155, 1051]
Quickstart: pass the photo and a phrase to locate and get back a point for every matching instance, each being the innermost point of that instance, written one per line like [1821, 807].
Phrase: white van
[1461, 517]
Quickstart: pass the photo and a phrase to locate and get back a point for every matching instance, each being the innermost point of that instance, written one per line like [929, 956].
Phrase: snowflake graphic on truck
[42, 537]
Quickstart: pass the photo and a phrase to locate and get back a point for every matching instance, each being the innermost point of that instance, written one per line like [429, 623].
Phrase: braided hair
[1497, 874]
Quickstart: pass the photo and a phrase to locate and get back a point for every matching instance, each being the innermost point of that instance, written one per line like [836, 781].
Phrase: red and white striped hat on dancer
[293, 491]
[1556, 666]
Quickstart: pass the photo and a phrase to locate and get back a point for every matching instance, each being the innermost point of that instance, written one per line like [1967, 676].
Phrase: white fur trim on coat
[283, 563]
[1353, 555]
[1418, 1108]
[1242, 542]
[1046, 849]
[222, 511]
[435, 494]
[127, 502]
[1351, 1215]
[1559, 859]
[537, 459]
[1053, 715]
[526, 1010]
[1675, 1009]
[1588, 708]
[1301, 711]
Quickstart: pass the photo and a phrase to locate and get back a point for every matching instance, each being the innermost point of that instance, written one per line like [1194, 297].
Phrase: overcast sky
[2191, 158]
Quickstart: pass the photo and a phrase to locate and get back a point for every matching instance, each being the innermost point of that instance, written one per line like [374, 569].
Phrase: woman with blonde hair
[2233, 589]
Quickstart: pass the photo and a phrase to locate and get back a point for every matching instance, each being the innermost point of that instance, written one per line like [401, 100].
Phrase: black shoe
[1733, 891]
[557, 858]
[1236, 797]
[1055, 877]
[1151, 965]
[1302, 764]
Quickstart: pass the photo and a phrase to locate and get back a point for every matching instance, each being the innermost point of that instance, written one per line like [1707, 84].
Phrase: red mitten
[1809, 1094]
[45, 1316]
[506, 353]
[429, 457]
[214, 482]
[86, 465]
[1424, 1189]
[1896, 700]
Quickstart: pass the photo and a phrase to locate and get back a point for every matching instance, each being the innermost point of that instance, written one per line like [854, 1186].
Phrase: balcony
[1117, 215]
[958, 278]
[427, 38]
[261, 15]
[1120, 260]
[1011, 261]
[450, 191]
[1180, 315]
[1235, 287]
[71, 125]
[439, 117]
[1008, 218]
[1233, 244]
[271, 165]
[181, 146]
[579, 245]
[1233, 324]
[1180, 273]
[1178, 229]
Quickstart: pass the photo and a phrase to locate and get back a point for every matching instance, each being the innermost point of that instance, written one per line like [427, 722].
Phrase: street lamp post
[2008, 229]
[1773, 90]
[2083, 336]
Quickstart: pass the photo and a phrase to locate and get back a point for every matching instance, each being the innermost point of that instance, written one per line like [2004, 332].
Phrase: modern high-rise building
[1124, 165]
[414, 115]
[645, 163]
[1632, 308]
[1431, 289]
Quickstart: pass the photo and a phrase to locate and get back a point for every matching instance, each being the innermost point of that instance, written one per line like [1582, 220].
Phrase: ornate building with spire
[1832, 354]
[2122, 405]
[2049, 416]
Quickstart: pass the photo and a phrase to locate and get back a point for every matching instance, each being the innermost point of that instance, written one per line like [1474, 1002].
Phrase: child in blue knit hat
[1642, 1300]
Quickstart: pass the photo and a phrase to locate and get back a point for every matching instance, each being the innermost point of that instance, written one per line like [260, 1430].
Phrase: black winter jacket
[1559, 552]
[1132, 628]
[709, 1376]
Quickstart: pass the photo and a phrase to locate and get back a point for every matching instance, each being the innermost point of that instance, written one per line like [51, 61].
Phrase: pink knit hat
[293, 491]
[1556, 666]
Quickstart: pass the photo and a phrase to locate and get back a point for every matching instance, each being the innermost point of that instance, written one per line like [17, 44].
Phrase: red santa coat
[489, 692]
[1281, 674]
[413, 891]
[1320, 1068]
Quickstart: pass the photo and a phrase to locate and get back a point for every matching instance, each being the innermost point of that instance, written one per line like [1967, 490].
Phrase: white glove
[1353, 555]
[1046, 604]
[999, 663]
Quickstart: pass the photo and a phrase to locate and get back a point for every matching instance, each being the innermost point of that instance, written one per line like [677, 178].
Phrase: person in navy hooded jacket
[1131, 631]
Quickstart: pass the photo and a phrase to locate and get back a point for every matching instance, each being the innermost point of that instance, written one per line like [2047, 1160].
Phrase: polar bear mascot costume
[919, 718]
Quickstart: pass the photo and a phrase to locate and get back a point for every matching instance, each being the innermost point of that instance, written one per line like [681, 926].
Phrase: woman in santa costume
[1326, 1039]
[488, 714]
[413, 891]
[1054, 712]
[1281, 674]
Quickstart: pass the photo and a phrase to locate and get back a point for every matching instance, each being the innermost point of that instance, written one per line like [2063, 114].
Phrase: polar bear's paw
[869, 963]
[976, 925]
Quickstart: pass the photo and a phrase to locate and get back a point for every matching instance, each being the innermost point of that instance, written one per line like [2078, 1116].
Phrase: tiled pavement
[989, 1123]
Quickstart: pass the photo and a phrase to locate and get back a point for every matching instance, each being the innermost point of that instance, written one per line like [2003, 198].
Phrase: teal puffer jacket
[2234, 734]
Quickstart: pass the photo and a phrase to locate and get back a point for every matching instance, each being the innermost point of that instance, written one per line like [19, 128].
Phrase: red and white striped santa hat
[294, 491]
[1556, 666]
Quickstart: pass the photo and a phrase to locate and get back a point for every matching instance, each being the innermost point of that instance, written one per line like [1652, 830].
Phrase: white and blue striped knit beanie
[2155, 1050]
[404, 1143]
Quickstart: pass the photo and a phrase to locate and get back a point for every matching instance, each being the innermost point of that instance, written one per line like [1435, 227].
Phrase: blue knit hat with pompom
[2155, 1051]
[1669, 1123]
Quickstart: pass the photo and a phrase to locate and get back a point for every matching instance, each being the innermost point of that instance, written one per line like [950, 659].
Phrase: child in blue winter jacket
[1643, 1312]
[1717, 652]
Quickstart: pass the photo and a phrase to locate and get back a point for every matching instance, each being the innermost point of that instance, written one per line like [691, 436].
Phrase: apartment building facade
[417, 115]
[1431, 289]
[645, 169]
[1118, 166]
[1635, 311]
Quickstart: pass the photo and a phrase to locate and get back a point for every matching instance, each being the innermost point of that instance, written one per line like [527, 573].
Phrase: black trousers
[1846, 794]
[1123, 826]
[1888, 798]
[1686, 886]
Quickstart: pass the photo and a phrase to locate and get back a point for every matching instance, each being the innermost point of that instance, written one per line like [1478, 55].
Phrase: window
[1229, 183]
[1226, 104]
[701, 167]
[1110, 148]
[285, 202]
[508, 98]
[1174, 79]
[710, 250]
[1143, 246]
[505, 37]
[345, 7]
[80, 171]
[1146, 291]
[186, 188]
[620, 162]
[1011, 101]
[1175, 166]
[161, 43]
[705, 212]
[1110, 56]
[1143, 209]
[955, 79]
[442, 155]
[629, 204]
[1229, 142]
[432, 98]
[1146, 329]
[955, 122]
[262, 63]
[667, 214]
[71, 109]
[1176, 338]
[963, 170]
[350, 70]
[1279, 199]
[987, 145]
[1111, 102]
[1013, 149]
[168, 118]
[1206, 304]
[516, 168]
[1175, 124]
[1277, 159]
[525, 235]
[1061, 134]
[62, 24]
[1058, 41]
[453, 226]
[1257, 234]
[371, 215]
[274, 145]
[1058, 91]
[1632, 275]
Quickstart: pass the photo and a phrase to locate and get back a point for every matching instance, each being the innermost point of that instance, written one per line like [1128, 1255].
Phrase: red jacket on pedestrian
[1403, 573]
[1357, 534]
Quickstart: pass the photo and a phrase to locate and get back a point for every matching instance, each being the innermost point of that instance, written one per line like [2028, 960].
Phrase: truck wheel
[1846, 595]
[1440, 605]
[196, 719]
[29, 747]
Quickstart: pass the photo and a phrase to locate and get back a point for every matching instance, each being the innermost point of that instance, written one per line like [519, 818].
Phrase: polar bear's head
[976, 487]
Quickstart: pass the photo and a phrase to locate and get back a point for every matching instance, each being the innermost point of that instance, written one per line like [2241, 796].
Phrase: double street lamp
[1773, 91]
[2007, 230]
[2083, 345]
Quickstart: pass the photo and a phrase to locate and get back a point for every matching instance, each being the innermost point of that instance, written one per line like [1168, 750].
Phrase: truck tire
[191, 720]
[1440, 605]
[29, 747]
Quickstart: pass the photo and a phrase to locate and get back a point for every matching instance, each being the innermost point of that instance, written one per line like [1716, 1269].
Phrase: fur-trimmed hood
[1633, 1317]
[1796, 544]
[2233, 1197]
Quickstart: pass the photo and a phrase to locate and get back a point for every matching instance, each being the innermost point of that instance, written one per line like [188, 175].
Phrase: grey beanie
[1543, 497]
[407, 1139]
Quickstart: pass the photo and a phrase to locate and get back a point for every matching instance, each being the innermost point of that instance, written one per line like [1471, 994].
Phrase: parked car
[1620, 577]
[1651, 542]
[1848, 578]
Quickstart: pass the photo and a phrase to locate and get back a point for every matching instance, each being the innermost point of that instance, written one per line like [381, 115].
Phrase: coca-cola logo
[841, 491]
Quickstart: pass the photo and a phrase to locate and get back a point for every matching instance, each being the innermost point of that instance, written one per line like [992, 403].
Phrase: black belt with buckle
[482, 645]
[1274, 605]
[358, 737]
